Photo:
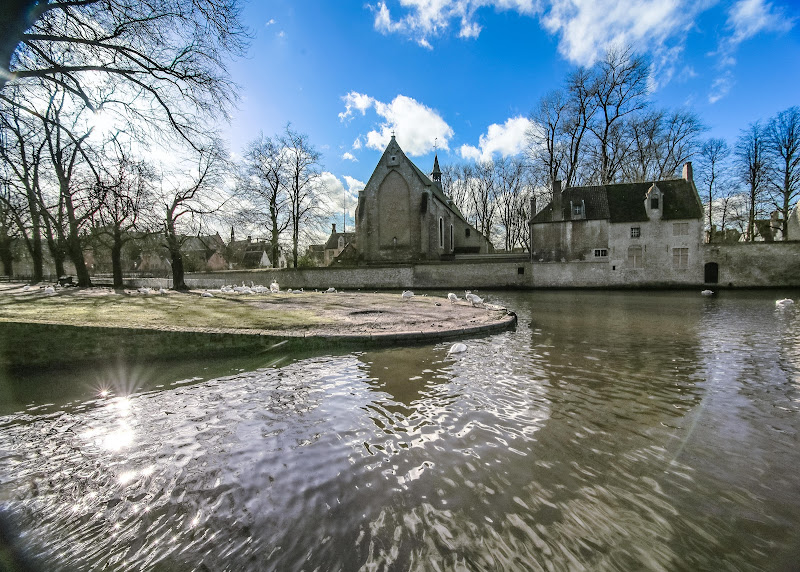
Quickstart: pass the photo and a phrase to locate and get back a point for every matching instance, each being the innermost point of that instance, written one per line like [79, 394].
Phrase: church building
[404, 216]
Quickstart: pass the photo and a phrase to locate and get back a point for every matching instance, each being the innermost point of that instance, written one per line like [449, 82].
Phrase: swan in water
[457, 348]
[407, 295]
[784, 303]
[452, 297]
[707, 292]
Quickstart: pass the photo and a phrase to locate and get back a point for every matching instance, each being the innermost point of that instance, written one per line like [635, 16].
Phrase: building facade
[650, 230]
[404, 216]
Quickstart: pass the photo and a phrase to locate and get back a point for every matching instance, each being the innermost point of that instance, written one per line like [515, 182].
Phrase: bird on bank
[330, 290]
[274, 288]
[452, 297]
[407, 295]
[473, 299]
[207, 294]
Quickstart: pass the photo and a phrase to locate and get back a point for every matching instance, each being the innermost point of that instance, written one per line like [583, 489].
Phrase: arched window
[452, 239]
[441, 232]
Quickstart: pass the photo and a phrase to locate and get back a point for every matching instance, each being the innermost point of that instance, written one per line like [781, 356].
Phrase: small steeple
[436, 174]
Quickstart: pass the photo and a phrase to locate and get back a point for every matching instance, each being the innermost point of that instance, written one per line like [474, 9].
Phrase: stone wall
[754, 265]
[757, 264]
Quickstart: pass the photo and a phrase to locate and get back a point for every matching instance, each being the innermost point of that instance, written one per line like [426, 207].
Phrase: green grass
[162, 312]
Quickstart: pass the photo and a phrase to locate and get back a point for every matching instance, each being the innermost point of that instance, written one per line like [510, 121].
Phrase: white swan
[274, 288]
[457, 348]
[330, 290]
[784, 303]
[473, 299]
[49, 290]
[452, 297]
[707, 292]
[407, 295]
[207, 294]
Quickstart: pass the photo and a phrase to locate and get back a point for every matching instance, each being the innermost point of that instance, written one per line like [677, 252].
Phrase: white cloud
[417, 126]
[270, 22]
[349, 157]
[504, 140]
[354, 100]
[720, 87]
[747, 18]
[354, 185]
[425, 19]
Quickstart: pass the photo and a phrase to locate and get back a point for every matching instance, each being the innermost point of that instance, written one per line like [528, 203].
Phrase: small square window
[520, 270]
[600, 252]
[636, 232]
[654, 203]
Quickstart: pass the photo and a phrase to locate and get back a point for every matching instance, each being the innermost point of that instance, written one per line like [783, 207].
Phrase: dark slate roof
[333, 239]
[624, 202]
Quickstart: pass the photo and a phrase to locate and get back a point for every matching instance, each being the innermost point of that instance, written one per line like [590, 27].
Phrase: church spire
[436, 174]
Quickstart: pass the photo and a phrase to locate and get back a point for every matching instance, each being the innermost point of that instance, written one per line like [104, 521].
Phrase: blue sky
[467, 73]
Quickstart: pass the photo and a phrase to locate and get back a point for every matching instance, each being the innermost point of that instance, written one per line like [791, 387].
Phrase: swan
[452, 297]
[407, 295]
[296, 291]
[145, 290]
[26, 287]
[707, 292]
[457, 348]
[330, 290]
[162, 290]
[207, 294]
[784, 303]
[274, 288]
[473, 299]
[49, 290]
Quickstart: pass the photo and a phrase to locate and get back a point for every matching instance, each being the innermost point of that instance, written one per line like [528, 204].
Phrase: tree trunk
[7, 256]
[177, 270]
[116, 259]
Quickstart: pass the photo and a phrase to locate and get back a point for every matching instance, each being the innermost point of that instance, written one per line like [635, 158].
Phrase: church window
[441, 232]
[452, 238]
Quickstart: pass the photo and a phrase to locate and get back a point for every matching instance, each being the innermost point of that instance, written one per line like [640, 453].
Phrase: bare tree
[482, 196]
[752, 166]
[546, 149]
[512, 199]
[262, 184]
[782, 136]
[619, 89]
[128, 200]
[304, 180]
[187, 197]
[714, 155]
[171, 54]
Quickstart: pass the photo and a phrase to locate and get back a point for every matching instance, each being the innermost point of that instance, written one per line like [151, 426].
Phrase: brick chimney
[333, 228]
[558, 213]
[687, 171]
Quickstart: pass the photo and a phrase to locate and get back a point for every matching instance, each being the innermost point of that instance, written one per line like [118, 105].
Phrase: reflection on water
[610, 431]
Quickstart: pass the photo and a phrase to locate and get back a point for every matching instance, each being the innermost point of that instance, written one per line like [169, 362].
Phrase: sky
[462, 76]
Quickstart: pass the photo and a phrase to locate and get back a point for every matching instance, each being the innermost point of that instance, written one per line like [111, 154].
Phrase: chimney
[249, 238]
[333, 228]
[687, 171]
[558, 214]
[231, 235]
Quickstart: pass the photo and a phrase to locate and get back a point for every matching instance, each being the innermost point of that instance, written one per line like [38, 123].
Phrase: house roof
[333, 240]
[625, 202]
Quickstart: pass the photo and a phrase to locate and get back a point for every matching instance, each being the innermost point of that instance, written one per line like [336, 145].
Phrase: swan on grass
[407, 295]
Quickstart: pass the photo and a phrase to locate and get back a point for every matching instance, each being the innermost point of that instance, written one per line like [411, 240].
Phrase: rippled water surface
[610, 431]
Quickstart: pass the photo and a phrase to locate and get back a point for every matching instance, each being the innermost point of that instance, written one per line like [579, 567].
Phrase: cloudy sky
[465, 74]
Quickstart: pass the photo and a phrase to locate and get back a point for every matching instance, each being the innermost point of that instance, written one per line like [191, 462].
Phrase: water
[610, 431]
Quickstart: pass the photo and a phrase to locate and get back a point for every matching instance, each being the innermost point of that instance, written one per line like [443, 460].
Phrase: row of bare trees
[600, 128]
[758, 176]
[494, 196]
[156, 72]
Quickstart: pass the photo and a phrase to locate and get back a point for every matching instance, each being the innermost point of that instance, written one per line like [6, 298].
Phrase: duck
[407, 295]
[452, 297]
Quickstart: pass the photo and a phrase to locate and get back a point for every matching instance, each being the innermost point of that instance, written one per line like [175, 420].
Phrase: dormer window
[341, 242]
[654, 203]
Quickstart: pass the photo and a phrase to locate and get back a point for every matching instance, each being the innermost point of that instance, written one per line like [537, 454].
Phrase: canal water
[609, 431]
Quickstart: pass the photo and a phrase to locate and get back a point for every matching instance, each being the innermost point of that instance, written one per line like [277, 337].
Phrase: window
[654, 203]
[680, 258]
[680, 229]
[635, 256]
[600, 252]
[452, 238]
[441, 233]
[466, 232]
[636, 232]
